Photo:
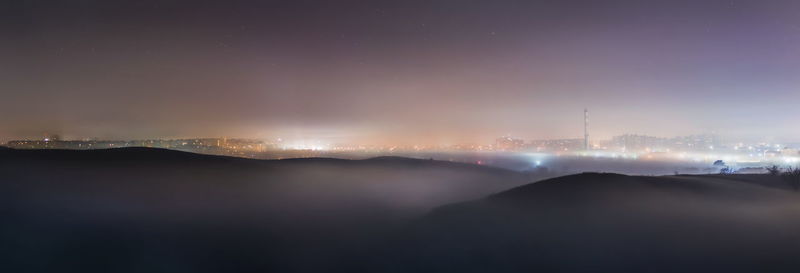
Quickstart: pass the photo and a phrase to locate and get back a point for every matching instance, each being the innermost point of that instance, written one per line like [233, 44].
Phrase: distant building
[697, 142]
[509, 144]
[644, 143]
[558, 145]
[790, 152]
[633, 142]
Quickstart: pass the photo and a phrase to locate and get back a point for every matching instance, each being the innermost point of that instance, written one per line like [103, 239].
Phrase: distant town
[697, 148]
[704, 147]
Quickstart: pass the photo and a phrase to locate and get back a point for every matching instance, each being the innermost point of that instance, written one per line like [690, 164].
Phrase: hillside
[614, 223]
[130, 174]
[162, 210]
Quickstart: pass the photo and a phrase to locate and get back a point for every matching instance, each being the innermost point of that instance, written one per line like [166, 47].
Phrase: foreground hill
[614, 223]
[154, 210]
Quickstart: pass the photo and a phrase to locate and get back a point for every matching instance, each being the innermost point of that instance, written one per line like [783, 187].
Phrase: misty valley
[154, 210]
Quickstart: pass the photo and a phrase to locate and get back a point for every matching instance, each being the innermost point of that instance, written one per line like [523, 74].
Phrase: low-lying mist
[562, 164]
[145, 210]
[82, 205]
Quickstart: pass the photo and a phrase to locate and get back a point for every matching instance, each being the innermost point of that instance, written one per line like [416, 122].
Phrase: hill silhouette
[595, 222]
[156, 210]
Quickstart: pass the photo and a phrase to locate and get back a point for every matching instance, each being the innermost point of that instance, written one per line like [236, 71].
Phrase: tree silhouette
[774, 170]
[792, 176]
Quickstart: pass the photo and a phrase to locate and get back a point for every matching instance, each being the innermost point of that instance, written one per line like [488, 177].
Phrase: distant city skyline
[693, 149]
[502, 143]
[355, 139]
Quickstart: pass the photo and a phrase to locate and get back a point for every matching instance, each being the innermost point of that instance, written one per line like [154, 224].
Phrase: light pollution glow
[399, 72]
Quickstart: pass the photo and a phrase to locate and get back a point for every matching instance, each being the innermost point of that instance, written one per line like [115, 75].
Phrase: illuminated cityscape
[701, 148]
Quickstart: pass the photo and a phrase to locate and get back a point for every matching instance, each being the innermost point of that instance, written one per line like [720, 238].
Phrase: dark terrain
[150, 210]
[615, 223]
[153, 210]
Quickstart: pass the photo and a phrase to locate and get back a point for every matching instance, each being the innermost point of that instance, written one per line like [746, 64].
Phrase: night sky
[398, 71]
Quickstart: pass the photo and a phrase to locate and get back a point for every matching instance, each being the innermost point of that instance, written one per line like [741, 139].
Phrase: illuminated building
[558, 145]
[508, 144]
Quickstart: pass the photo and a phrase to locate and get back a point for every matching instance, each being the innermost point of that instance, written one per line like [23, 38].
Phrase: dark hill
[614, 223]
[141, 155]
[613, 188]
[135, 173]
[155, 210]
[109, 155]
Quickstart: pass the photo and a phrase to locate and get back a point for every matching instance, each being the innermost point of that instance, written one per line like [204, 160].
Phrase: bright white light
[313, 145]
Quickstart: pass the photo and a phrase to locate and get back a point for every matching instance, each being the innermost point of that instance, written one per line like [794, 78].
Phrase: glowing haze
[398, 71]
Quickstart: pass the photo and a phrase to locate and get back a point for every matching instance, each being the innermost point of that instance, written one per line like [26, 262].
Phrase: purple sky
[410, 72]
